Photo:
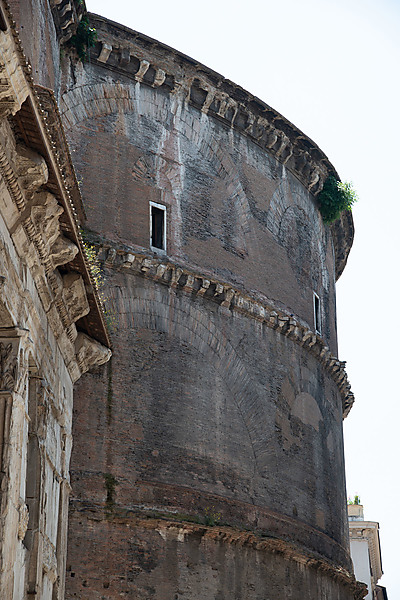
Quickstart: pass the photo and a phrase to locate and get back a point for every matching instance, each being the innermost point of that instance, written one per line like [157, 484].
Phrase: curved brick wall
[212, 445]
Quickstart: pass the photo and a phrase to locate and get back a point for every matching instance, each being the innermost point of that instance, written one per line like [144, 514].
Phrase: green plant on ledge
[356, 500]
[84, 38]
[334, 198]
[97, 274]
[211, 516]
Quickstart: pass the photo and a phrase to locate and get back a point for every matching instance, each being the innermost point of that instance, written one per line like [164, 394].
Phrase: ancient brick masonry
[208, 453]
[208, 457]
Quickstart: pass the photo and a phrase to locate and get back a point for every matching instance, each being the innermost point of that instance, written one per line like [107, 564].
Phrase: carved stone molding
[14, 88]
[31, 169]
[43, 228]
[23, 520]
[63, 251]
[66, 17]
[52, 119]
[74, 296]
[225, 295]
[90, 353]
[14, 342]
[45, 215]
[8, 366]
[49, 559]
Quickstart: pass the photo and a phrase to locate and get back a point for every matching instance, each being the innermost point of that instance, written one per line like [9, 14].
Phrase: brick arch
[287, 200]
[192, 325]
[87, 101]
[102, 99]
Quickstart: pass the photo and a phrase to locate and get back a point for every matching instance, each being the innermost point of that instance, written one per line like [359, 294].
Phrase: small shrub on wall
[334, 198]
[84, 38]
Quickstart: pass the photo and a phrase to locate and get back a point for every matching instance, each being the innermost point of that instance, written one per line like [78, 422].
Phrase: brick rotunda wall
[208, 455]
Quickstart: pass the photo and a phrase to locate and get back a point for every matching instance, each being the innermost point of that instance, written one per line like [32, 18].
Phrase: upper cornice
[157, 65]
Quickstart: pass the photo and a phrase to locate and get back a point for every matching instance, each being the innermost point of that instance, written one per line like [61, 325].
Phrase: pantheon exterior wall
[208, 455]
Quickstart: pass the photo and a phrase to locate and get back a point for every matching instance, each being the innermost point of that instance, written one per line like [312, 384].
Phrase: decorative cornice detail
[157, 65]
[151, 63]
[8, 367]
[14, 88]
[36, 108]
[31, 170]
[227, 535]
[195, 284]
[13, 368]
[67, 16]
[90, 353]
[23, 519]
[38, 238]
[55, 129]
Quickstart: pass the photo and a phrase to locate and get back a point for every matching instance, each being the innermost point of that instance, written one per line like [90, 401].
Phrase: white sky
[332, 68]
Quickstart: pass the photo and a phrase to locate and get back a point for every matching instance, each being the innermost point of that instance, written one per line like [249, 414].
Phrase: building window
[317, 314]
[158, 237]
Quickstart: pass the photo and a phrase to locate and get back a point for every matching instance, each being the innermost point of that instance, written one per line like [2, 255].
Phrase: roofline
[119, 46]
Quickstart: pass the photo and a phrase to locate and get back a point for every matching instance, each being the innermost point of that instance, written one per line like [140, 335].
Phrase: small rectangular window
[317, 314]
[158, 240]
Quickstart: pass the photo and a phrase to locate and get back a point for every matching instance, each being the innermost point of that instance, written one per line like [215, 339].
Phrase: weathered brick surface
[163, 560]
[246, 221]
[203, 409]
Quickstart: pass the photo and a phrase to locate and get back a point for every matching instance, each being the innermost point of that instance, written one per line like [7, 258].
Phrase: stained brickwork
[208, 455]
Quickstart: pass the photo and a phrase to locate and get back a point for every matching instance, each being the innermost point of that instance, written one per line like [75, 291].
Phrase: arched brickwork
[209, 416]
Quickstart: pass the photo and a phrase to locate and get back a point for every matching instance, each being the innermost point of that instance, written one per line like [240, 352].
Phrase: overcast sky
[332, 68]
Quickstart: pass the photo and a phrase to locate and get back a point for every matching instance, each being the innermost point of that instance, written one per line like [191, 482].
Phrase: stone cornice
[194, 283]
[43, 222]
[52, 117]
[152, 63]
[221, 534]
[67, 16]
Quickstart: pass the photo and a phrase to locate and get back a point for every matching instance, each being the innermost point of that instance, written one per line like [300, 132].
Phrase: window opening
[157, 226]
[317, 313]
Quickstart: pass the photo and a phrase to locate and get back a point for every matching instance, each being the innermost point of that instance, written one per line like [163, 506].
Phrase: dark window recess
[317, 313]
[157, 227]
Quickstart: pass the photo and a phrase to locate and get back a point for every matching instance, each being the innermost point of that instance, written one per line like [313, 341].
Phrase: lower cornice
[219, 533]
[175, 276]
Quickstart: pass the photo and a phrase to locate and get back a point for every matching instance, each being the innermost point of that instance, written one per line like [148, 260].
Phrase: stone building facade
[365, 550]
[51, 328]
[208, 452]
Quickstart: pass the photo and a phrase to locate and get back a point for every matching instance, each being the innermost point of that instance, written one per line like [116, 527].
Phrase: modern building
[365, 551]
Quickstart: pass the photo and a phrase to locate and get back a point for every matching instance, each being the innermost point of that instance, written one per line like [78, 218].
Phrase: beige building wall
[365, 550]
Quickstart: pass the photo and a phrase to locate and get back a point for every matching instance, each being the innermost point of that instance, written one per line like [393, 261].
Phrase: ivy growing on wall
[334, 198]
[84, 38]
